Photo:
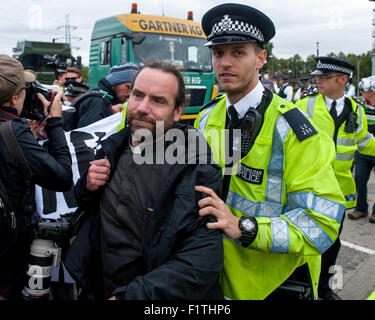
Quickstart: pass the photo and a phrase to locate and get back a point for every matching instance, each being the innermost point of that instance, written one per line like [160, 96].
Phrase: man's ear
[13, 101]
[261, 59]
[177, 113]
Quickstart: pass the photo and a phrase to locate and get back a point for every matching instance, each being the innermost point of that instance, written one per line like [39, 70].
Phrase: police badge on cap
[327, 65]
[235, 23]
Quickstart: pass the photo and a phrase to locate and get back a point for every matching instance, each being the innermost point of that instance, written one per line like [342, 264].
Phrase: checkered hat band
[333, 67]
[227, 25]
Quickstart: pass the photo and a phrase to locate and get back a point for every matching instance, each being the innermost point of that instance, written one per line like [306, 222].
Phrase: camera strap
[14, 149]
[16, 153]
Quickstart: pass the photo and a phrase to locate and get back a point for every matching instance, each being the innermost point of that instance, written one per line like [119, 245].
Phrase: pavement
[354, 274]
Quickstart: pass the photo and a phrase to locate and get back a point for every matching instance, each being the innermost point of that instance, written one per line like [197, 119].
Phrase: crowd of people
[253, 206]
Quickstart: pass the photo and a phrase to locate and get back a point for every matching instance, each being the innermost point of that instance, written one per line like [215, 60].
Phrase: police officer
[281, 204]
[306, 89]
[74, 89]
[286, 90]
[344, 120]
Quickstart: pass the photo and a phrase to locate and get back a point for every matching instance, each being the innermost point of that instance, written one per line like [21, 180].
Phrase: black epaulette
[210, 103]
[301, 126]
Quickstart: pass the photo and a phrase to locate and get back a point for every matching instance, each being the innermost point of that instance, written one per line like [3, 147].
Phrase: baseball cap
[12, 77]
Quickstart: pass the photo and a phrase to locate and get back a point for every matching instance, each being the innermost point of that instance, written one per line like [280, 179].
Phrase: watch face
[247, 224]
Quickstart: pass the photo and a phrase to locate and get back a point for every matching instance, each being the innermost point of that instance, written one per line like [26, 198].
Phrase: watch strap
[247, 237]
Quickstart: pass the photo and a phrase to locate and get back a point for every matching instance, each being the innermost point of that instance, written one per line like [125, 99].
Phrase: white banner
[83, 144]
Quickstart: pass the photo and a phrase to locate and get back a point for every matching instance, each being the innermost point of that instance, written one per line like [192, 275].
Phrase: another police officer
[344, 120]
[282, 205]
[286, 90]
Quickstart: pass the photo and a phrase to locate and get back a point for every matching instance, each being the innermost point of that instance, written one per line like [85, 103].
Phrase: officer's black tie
[333, 110]
[232, 113]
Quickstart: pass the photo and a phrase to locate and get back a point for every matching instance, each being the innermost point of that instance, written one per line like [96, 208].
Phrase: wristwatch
[249, 230]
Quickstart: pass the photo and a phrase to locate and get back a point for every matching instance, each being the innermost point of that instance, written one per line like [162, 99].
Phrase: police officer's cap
[284, 77]
[327, 65]
[235, 23]
[74, 88]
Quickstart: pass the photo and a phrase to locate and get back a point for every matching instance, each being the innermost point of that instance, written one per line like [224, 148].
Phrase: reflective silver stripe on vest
[324, 206]
[274, 189]
[360, 128]
[344, 156]
[204, 118]
[252, 208]
[310, 106]
[346, 142]
[310, 229]
[280, 236]
[365, 141]
[305, 200]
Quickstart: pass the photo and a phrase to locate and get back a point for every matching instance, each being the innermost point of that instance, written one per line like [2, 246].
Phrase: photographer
[50, 169]
[60, 77]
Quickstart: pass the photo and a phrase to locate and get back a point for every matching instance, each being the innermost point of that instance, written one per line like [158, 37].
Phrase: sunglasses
[71, 79]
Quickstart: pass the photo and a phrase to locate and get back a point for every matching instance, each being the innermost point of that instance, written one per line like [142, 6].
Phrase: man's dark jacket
[91, 108]
[51, 170]
[183, 258]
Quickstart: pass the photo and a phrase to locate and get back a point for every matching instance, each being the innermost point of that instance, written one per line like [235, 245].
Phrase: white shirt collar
[252, 99]
[339, 104]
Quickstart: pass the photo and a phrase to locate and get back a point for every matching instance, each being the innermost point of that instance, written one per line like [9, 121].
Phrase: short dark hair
[168, 68]
[75, 70]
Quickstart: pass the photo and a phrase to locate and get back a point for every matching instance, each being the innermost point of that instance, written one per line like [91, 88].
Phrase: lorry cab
[44, 58]
[136, 38]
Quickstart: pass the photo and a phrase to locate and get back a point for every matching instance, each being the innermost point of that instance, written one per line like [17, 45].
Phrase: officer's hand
[216, 207]
[117, 108]
[98, 174]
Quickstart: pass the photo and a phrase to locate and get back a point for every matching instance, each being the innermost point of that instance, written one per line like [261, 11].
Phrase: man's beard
[155, 130]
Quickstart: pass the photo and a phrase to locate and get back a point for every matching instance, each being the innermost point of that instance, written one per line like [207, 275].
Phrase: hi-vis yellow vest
[347, 143]
[123, 121]
[296, 201]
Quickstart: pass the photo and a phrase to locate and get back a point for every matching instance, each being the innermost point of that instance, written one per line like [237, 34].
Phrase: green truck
[136, 38]
[44, 58]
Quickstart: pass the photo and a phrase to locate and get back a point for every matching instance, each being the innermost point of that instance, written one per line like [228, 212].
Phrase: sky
[337, 25]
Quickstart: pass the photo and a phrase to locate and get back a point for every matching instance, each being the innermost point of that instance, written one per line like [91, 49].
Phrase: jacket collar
[8, 113]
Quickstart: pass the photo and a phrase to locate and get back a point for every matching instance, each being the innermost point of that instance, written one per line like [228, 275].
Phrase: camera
[33, 108]
[45, 253]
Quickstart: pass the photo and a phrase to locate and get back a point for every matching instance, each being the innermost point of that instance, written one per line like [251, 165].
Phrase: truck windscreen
[186, 53]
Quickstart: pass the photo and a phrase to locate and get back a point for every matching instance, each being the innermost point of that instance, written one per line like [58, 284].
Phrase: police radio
[251, 124]
[351, 122]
